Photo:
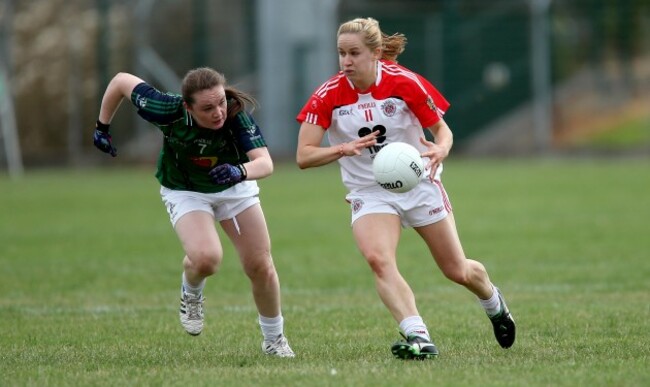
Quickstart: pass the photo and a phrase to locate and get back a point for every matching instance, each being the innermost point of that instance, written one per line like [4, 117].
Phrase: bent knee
[205, 261]
[464, 273]
[380, 264]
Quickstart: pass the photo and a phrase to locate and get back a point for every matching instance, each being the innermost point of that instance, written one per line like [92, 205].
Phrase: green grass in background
[91, 271]
[630, 134]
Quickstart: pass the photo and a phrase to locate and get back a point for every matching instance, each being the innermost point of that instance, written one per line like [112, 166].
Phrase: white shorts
[425, 204]
[222, 205]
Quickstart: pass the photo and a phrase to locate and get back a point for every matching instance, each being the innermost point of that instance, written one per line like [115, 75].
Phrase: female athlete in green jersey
[213, 152]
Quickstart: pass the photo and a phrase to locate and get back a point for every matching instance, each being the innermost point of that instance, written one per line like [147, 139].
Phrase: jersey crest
[389, 108]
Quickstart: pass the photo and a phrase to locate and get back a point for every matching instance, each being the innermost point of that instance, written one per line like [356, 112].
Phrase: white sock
[414, 325]
[272, 327]
[492, 305]
[192, 289]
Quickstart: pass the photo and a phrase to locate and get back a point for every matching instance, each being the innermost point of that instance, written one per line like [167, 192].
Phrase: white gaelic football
[398, 167]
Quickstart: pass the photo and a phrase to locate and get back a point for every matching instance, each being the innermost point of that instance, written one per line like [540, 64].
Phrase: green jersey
[189, 151]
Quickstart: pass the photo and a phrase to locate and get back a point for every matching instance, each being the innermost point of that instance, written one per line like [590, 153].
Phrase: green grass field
[91, 271]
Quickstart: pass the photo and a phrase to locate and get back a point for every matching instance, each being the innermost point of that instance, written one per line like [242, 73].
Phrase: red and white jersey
[399, 105]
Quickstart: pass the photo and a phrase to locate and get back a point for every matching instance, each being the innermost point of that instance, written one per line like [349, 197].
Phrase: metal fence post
[541, 74]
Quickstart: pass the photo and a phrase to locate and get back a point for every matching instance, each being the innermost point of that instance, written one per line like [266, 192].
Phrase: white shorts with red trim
[425, 204]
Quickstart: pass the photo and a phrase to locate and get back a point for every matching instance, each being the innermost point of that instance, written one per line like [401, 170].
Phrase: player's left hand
[228, 174]
[436, 155]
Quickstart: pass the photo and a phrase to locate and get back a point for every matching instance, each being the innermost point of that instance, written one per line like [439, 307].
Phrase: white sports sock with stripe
[414, 325]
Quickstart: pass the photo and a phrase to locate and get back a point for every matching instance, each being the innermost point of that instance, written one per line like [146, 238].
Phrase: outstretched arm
[118, 88]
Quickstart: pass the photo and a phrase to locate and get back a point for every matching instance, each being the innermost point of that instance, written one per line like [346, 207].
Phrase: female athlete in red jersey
[372, 102]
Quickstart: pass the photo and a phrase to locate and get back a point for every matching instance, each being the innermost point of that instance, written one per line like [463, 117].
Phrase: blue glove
[228, 174]
[102, 139]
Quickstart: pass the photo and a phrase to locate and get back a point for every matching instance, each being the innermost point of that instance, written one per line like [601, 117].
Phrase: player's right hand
[102, 139]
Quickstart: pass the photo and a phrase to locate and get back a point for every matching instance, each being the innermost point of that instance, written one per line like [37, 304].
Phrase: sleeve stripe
[393, 70]
[312, 118]
[329, 85]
